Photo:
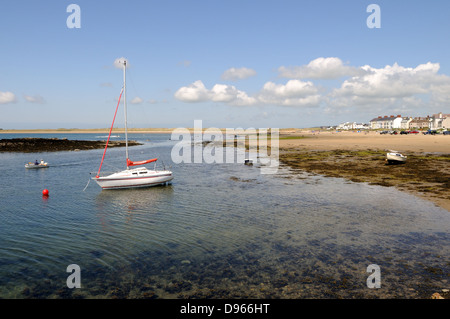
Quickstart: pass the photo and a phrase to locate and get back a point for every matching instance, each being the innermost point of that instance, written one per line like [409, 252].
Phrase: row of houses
[353, 126]
[435, 122]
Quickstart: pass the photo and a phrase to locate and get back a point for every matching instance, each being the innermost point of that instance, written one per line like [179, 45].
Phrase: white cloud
[136, 100]
[394, 87]
[229, 94]
[293, 88]
[320, 68]
[235, 74]
[34, 99]
[394, 82]
[293, 93]
[7, 97]
[196, 92]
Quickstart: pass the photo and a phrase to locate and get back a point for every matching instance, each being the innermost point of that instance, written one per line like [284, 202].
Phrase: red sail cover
[131, 163]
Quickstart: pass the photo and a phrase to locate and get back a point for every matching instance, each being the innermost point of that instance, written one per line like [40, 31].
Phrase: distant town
[438, 121]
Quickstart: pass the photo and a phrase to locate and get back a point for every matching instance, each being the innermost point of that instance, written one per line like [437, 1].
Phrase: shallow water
[218, 231]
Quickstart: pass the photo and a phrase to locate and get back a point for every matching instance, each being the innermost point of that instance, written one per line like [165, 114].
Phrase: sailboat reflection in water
[135, 177]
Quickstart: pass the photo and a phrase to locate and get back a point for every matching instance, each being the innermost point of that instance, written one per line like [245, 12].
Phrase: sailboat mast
[125, 107]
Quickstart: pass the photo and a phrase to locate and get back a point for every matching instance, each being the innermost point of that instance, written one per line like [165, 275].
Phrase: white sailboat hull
[131, 178]
[395, 158]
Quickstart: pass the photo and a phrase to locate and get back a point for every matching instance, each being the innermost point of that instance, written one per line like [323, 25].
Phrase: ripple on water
[219, 231]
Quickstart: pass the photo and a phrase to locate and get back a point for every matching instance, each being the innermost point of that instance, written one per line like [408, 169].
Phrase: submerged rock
[32, 145]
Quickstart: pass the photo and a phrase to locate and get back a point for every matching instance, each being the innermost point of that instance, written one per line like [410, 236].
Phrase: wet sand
[360, 157]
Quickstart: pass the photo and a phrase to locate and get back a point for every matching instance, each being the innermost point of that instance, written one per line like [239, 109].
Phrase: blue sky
[228, 63]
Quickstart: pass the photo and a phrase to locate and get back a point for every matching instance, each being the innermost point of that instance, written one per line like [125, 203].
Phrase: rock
[31, 145]
[436, 296]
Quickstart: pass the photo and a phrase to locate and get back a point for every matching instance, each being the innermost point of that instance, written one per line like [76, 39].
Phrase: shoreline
[355, 156]
[35, 145]
[360, 157]
[87, 131]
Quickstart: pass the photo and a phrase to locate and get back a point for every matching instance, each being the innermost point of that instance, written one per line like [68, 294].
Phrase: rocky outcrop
[32, 145]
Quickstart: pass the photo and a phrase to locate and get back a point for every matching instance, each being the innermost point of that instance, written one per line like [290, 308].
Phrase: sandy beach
[360, 157]
[366, 140]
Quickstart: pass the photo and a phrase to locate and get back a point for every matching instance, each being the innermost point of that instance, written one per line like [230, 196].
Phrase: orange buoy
[45, 192]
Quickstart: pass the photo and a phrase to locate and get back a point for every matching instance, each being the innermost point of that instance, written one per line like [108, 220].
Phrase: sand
[366, 140]
[360, 157]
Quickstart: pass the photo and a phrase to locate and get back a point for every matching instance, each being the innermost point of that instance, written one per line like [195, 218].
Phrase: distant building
[386, 122]
[404, 125]
[439, 121]
[420, 123]
[352, 126]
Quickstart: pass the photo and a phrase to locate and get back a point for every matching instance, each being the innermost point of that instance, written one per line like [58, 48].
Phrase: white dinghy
[37, 164]
[394, 157]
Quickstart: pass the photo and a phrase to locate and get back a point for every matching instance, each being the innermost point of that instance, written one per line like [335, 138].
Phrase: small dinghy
[394, 157]
[37, 164]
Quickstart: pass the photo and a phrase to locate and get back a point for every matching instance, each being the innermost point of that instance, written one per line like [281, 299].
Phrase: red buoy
[45, 192]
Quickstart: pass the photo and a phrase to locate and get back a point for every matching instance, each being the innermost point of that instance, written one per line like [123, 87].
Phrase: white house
[404, 125]
[386, 122]
[439, 121]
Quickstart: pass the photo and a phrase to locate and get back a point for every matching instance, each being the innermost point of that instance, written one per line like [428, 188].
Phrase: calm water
[218, 231]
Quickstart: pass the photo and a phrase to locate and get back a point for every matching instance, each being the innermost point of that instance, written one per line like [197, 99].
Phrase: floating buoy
[45, 192]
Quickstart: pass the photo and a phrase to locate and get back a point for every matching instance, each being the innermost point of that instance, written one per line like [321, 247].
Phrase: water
[218, 231]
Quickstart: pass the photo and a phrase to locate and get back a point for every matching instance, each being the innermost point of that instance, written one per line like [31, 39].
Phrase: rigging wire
[107, 141]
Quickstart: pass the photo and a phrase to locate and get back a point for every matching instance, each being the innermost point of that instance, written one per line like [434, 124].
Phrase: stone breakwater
[32, 145]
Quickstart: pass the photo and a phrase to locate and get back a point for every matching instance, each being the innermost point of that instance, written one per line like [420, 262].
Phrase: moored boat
[137, 177]
[134, 177]
[394, 157]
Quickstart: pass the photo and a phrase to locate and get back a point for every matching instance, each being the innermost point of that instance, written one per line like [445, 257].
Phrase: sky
[231, 64]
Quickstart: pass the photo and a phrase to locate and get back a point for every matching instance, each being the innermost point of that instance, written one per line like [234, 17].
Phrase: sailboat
[131, 177]
[394, 157]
